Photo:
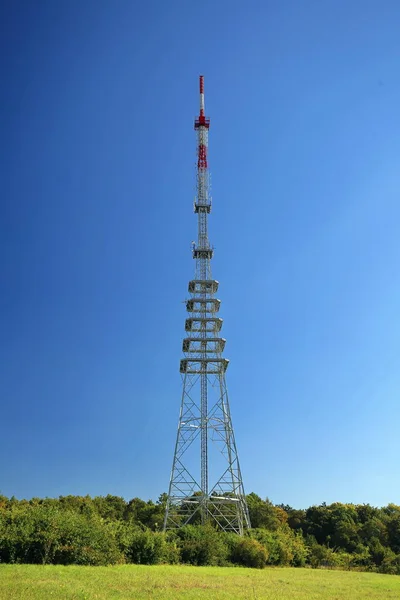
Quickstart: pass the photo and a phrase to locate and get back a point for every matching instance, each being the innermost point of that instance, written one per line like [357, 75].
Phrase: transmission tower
[209, 489]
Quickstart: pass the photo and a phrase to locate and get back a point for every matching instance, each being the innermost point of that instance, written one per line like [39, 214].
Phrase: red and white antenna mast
[202, 125]
[203, 201]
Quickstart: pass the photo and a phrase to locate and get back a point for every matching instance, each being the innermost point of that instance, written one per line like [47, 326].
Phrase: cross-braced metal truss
[214, 492]
[210, 489]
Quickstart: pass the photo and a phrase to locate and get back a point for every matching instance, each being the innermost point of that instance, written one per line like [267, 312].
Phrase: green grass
[33, 582]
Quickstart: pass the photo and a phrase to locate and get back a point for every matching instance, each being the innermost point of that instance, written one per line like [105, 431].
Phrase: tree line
[109, 530]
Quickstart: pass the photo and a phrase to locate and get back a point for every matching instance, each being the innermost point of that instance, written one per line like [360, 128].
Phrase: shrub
[172, 553]
[249, 553]
[147, 547]
[321, 556]
[283, 547]
[86, 541]
[390, 564]
[202, 545]
[16, 529]
[44, 534]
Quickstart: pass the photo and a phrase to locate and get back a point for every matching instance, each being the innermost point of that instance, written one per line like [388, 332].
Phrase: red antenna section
[202, 125]
[201, 120]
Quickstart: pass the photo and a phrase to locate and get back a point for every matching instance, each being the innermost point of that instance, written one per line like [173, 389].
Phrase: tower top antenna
[201, 79]
[201, 120]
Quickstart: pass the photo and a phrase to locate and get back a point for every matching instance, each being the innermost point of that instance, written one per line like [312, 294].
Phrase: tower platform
[202, 208]
[209, 366]
[207, 324]
[199, 305]
[203, 253]
[203, 286]
[210, 344]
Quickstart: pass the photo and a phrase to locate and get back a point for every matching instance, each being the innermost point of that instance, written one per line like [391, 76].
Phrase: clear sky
[98, 164]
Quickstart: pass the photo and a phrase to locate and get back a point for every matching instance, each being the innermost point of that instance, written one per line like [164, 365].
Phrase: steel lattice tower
[210, 489]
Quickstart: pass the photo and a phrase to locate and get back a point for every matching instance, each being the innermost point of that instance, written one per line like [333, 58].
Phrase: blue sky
[98, 155]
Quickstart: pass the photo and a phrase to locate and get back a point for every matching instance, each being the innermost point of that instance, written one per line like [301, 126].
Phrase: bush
[284, 546]
[172, 553]
[86, 541]
[16, 530]
[44, 534]
[390, 564]
[248, 553]
[147, 547]
[325, 557]
[300, 550]
[202, 545]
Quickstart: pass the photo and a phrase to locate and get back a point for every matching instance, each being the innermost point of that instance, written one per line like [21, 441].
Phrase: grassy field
[32, 582]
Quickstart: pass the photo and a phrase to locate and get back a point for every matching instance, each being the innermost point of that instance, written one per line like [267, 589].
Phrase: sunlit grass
[135, 582]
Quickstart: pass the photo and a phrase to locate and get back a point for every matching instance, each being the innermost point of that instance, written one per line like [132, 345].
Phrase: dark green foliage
[201, 545]
[393, 528]
[81, 504]
[296, 518]
[108, 530]
[110, 507]
[42, 533]
[248, 552]
[264, 514]
[172, 550]
[146, 547]
[390, 563]
[283, 547]
[146, 513]
[319, 555]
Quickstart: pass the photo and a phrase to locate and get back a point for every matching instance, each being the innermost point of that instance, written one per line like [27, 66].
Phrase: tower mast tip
[201, 120]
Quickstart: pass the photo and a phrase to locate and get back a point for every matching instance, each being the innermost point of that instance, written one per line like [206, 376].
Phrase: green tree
[264, 514]
[110, 507]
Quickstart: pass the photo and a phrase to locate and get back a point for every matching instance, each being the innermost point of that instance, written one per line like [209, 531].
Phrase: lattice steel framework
[210, 489]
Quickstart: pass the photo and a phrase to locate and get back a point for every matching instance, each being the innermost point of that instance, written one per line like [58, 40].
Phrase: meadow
[168, 582]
